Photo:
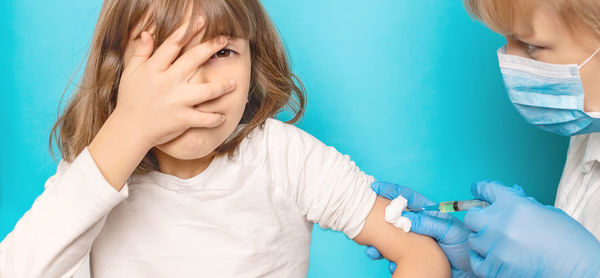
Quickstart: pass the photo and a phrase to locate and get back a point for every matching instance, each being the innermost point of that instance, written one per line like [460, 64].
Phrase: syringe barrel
[452, 206]
[466, 205]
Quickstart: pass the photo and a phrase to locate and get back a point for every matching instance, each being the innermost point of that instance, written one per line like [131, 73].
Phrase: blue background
[410, 89]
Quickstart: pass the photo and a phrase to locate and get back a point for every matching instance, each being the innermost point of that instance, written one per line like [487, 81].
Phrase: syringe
[452, 206]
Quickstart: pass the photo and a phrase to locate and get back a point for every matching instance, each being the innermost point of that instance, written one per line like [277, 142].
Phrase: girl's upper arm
[327, 186]
[415, 255]
[330, 189]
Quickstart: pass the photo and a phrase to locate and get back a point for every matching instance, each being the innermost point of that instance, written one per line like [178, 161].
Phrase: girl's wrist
[128, 130]
[118, 150]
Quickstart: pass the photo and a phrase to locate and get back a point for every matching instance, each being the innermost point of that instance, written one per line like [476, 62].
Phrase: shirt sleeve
[326, 185]
[55, 235]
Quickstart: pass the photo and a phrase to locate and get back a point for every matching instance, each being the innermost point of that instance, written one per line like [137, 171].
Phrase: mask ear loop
[588, 59]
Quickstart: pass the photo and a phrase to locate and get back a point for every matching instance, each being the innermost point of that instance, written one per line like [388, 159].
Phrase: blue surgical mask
[548, 96]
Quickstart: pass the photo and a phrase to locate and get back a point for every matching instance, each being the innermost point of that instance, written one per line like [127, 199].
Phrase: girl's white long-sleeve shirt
[246, 216]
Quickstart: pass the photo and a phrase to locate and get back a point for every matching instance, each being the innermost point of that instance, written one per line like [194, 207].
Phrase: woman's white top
[249, 216]
[579, 190]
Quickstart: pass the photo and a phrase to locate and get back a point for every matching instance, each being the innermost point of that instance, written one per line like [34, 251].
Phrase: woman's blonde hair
[500, 15]
[273, 85]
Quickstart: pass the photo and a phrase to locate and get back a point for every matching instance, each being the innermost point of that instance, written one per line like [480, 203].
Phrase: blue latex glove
[447, 230]
[518, 237]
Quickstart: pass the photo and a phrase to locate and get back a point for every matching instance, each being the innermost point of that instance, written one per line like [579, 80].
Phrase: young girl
[174, 167]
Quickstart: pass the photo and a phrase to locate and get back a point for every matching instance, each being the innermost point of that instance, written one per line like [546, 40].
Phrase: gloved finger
[392, 190]
[458, 255]
[385, 189]
[519, 190]
[476, 219]
[428, 225]
[488, 190]
[392, 267]
[373, 253]
[478, 264]
[439, 214]
[463, 274]
[479, 244]
[415, 200]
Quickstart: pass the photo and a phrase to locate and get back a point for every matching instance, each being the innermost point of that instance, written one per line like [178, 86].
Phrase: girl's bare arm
[415, 255]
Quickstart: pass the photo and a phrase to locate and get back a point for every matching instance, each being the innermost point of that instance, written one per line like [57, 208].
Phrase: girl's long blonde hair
[273, 85]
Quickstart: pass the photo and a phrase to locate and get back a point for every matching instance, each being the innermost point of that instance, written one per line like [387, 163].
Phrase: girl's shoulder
[255, 146]
[272, 140]
[274, 132]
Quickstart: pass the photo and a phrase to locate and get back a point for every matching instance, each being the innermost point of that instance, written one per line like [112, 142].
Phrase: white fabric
[53, 237]
[249, 216]
[393, 214]
[579, 190]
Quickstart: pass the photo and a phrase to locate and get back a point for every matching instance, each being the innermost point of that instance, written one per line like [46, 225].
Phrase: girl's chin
[186, 154]
[189, 146]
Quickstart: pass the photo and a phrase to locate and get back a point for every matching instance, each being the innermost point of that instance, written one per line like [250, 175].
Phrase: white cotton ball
[393, 214]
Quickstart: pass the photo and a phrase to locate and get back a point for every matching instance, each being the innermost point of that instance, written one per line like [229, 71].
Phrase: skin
[190, 153]
[550, 39]
[184, 148]
[415, 255]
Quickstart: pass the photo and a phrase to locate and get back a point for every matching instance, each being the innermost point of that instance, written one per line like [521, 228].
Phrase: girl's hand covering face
[155, 96]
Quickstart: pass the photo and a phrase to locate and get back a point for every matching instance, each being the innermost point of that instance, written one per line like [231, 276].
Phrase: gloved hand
[447, 230]
[518, 237]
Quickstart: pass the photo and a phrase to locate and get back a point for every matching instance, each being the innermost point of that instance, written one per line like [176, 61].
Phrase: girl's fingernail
[231, 83]
[144, 38]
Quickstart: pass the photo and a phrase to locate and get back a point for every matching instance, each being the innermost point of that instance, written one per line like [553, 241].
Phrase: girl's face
[552, 41]
[233, 62]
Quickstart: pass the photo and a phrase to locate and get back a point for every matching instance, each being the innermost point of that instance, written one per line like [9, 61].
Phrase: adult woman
[550, 66]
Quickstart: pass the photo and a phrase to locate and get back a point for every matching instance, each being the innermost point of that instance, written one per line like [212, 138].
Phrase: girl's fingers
[195, 57]
[143, 50]
[204, 92]
[170, 49]
[197, 118]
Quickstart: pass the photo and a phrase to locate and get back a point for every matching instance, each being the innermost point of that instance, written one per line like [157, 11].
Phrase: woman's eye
[532, 49]
[223, 53]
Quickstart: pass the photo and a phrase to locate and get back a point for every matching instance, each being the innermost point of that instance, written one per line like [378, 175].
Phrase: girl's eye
[223, 53]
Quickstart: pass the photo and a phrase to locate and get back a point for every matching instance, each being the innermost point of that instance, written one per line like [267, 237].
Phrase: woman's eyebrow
[517, 36]
[529, 37]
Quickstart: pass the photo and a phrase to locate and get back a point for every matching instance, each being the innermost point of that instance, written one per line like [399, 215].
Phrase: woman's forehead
[506, 17]
[542, 22]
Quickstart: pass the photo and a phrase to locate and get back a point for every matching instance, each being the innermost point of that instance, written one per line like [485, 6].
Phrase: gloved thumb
[478, 264]
[488, 190]
[428, 225]
[392, 191]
